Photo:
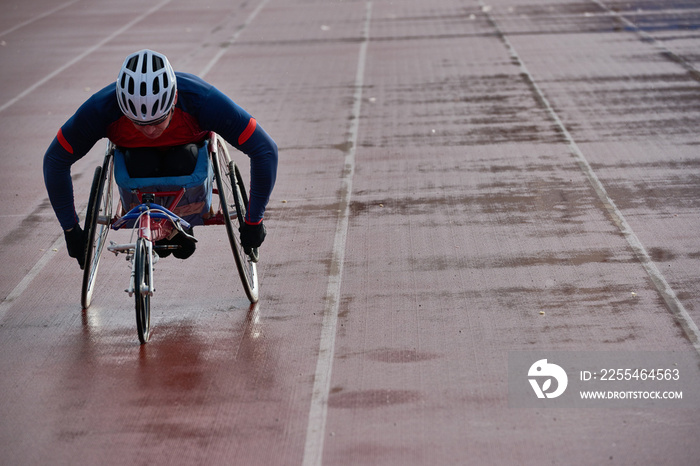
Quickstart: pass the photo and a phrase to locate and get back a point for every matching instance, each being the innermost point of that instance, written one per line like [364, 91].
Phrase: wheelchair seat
[195, 204]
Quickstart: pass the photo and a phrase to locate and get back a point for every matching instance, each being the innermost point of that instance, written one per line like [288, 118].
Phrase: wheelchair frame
[151, 219]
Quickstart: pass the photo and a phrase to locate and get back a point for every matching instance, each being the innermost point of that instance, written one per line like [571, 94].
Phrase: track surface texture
[458, 181]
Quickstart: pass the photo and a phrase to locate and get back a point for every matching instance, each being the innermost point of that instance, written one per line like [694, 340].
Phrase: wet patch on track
[370, 399]
[397, 356]
[462, 111]
[40, 215]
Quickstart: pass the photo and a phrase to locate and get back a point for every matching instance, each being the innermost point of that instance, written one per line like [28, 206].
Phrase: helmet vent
[170, 99]
[144, 110]
[156, 86]
[157, 63]
[144, 89]
[132, 63]
[155, 109]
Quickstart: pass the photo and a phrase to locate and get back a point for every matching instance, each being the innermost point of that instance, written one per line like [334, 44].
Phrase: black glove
[252, 236]
[187, 245]
[76, 241]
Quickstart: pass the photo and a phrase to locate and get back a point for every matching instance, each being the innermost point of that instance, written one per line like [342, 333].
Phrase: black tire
[97, 223]
[233, 204]
[142, 293]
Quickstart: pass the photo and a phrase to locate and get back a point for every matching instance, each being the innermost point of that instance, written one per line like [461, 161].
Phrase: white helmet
[146, 87]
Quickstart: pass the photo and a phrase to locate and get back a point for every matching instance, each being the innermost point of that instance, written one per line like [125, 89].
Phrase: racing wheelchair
[153, 208]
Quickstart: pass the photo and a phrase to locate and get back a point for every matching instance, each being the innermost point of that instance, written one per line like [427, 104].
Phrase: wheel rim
[97, 225]
[225, 172]
[142, 301]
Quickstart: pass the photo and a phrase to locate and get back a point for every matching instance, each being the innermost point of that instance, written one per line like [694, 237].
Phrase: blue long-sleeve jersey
[200, 108]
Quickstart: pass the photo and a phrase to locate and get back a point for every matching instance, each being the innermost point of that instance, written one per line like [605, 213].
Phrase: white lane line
[9, 300]
[233, 38]
[316, 429]
[38, 17]
[662, 286]
[87, 52]
[650, 39]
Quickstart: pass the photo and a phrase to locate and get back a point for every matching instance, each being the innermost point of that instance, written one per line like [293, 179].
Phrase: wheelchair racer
[157, 115]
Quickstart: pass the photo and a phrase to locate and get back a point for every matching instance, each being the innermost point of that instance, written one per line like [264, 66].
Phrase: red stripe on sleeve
[252, 223]
[63, 142]
[248, 132]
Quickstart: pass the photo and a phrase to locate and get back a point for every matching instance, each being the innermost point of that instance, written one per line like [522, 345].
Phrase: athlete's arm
[223, 116]
[75, 138]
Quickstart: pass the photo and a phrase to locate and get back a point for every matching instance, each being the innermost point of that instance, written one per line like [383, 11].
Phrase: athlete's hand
[76, 240]
[252, 236]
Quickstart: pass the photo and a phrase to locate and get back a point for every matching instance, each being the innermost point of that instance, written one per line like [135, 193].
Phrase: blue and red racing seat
[195, 204]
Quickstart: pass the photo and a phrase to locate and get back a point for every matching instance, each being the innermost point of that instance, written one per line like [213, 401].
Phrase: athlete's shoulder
[90, 122]
[194, 94]
[104, 100]
[101, 108]
[191, 84]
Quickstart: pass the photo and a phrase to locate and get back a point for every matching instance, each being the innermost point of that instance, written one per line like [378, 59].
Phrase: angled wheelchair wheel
[97, 223]
[142, 291]
[233, 204]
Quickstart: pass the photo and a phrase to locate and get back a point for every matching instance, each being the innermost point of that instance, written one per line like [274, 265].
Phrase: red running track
[459, 182]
